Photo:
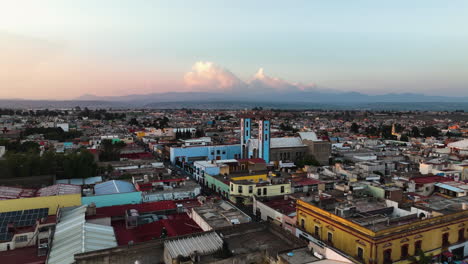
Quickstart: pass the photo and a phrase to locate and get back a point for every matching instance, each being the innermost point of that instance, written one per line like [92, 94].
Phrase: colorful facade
[392, 244]
[52, 202]
[242, 191]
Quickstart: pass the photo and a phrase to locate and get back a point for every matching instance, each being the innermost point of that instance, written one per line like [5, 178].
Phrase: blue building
[246, 133]
[191, 154]
[111, 187]
[264, 140]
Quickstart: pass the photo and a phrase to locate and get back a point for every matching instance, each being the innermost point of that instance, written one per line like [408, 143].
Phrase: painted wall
[375, 243]
[208, 152]
[264, 140]
[218, 184]
[271, 190]
[375, 191]
[254, 178]
[113, 199]
[246, 133]
[51, 202]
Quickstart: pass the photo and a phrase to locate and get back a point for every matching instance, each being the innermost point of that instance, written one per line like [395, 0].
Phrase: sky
[62, 49]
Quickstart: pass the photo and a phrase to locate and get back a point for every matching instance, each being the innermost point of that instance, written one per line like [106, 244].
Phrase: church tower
[245, 136]
[264, 140]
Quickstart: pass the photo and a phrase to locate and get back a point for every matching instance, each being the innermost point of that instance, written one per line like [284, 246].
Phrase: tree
[430, 131]
[308, 160]
[199, 133]
[386, 132]
[110, 151]
[415, 132]
[354, 128]
[134, 122]
[421, 258]
[404, 137]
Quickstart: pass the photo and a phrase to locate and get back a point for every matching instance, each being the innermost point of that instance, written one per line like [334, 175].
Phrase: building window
[317, 231]
[282, 189]
[417, 246]
[360, 253]
[250, 189]
[212, 152]
[387, 256]
[218, 151]
[264, 191]
[20, 239]
[259, 191]
[303, 223]
[461, 235]
[232, 187]
[224, 152]
[445, 240]
[239, 188]
[266, 137]
[330, 238]
[404, 251]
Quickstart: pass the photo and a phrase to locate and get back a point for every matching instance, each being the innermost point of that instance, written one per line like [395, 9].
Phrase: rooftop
[205, 243]
[119, 210]
[429, 179]
[298, 256]
[113, 186]
[175, 225]
[221, 214]
[281, 204]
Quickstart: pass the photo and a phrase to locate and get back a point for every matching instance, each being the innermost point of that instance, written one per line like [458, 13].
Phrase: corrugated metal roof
[204, 244]
[284, 142]
[73, 235]
[113, 186]
[59, 189]
[309, 136]
[90, 180]
[462, 144]
[449, 187]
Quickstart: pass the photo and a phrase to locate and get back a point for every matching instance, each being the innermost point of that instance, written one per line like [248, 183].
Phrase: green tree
[308, 160]
[404, 137]
[110, 151]
[415, 132]
[421, 258]
[430, 131]
[354, 128]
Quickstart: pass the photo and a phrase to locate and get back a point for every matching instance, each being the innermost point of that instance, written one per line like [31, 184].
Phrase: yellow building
[242, 189]
[388, 235]
[51, 202]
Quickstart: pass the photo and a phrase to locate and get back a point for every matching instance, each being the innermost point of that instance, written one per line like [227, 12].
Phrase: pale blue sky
[367, 46]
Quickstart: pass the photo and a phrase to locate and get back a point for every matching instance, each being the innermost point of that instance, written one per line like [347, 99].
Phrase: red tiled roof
[176, 225]
[119, 210]
[283, 206]
[430, 179]
[307, 181]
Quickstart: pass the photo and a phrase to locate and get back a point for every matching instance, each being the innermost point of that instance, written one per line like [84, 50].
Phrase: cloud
[261, 80]
[210, 76]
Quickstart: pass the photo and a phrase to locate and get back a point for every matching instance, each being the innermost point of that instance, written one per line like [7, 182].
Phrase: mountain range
[272, 96]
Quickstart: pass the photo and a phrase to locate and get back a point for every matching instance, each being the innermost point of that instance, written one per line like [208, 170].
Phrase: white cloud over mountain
[208, 76]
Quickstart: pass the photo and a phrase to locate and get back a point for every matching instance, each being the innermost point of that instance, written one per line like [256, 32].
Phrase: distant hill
[291, 99]
[273, 96]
